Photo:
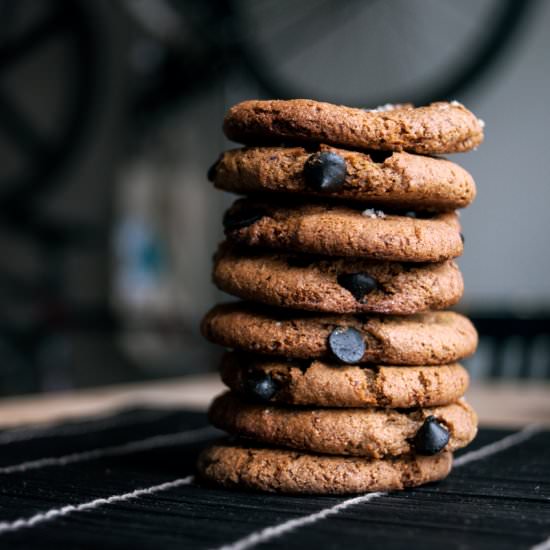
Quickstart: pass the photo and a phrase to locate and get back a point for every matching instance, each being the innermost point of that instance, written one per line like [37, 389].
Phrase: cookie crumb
[382, 108]
[372, 213]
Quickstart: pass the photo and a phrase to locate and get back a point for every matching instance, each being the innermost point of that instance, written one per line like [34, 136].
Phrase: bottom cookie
[284, 471]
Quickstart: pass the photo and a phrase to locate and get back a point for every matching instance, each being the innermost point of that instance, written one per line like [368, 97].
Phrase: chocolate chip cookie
[335, 230]
[438, 128]
[432, 338]
[379, 178]
[369, 432]
[337, 285]
[242, 465]
[334, 384]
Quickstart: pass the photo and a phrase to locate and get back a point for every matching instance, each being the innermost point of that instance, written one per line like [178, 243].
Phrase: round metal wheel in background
[369, 52]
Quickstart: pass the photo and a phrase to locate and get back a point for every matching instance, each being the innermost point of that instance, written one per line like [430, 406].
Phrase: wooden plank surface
[125, 481]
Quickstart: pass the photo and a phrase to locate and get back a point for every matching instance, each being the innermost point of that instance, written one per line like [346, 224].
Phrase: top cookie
[438, 128]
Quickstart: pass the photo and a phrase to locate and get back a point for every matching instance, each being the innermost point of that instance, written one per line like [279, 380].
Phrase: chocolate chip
[346, 344]
[325, 171]
[211, 174]
[431, 438]
[462, 238]
[380, 156]
[359, 284]
[259, 385]
[236, 218]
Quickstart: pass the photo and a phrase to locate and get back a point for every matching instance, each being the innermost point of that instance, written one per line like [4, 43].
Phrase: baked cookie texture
[334, 230]
[432, 338]
[400, 180]
[438, 128]
[343, 370]
[368, 432]
[321, 384]
[311, 283]
[243, 465]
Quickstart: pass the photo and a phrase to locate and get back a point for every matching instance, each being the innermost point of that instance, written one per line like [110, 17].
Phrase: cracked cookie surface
[372, 432]
[315, 383]
[241, 465]
[432, 338]
[316, 284]
[438, 128]
[400, 180]
[335, 230]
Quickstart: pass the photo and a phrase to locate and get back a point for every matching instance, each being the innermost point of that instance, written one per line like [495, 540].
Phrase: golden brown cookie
[397, 180]
[245, 466]
[370, 432]
[432, 338]
[334, 230]
[437, 128]
[339, 385]
[338, 285]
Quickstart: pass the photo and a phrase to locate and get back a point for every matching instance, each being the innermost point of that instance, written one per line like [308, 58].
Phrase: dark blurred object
[54, 97]
[512, 345]
[285, 47]
[42, 137]
[391, 51]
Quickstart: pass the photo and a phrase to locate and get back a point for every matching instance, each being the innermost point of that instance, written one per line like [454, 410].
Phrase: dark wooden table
[125, 480]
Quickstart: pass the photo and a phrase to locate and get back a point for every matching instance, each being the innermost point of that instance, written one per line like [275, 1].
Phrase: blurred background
[110, 115]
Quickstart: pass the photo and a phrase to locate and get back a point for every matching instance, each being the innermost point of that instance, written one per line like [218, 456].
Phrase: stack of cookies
[343, 376]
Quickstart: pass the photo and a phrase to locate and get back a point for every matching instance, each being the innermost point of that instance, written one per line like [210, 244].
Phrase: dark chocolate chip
[259, 386]
[359, 284]
[380, 156]
[346, 344]
[431, 438]
[243, 216]
[325, 171]
[211, 174]
[462, 238]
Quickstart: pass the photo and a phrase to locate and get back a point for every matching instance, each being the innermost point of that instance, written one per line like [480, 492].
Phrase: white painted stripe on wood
[54, 513]
[269, 533]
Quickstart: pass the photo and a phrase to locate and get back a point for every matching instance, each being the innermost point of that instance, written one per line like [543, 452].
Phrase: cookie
[382, 179]
[432, 338]
[245, 466]
[370, 432]
[321, 384]
[335, 230]
[435, 129]
[337, 285]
